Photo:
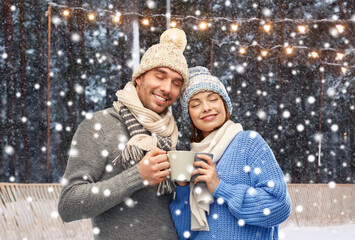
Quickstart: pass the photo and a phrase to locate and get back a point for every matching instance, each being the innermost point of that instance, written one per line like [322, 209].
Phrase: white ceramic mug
[181, 165]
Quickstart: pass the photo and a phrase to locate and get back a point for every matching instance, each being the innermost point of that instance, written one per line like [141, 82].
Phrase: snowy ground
[342, 232]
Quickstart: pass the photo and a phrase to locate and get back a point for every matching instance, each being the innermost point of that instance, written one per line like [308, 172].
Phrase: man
[117, 173]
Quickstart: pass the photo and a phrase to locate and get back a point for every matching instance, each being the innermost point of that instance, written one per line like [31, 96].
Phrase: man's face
[159, 88]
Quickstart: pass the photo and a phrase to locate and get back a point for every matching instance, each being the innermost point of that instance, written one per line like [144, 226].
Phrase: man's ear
[139, 80]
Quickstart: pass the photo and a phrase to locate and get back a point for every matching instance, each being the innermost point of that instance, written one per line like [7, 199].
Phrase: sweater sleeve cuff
[230, 193]
[133, 178]
[182, 192]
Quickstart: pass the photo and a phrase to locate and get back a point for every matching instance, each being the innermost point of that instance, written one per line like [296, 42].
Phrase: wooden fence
[29, 211]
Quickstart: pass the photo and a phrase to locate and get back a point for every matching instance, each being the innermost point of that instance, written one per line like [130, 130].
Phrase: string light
[264, 53]
[145, 21]
[203, 25]
[289, 50]
[340, 56]
[301, 28]
[242, 50]
[91, 16]
[234, 27]
[267, 27]
[340, 28]
[343, 69]
[66, 13]
[116, 18]
[173, 24]
[314, 54]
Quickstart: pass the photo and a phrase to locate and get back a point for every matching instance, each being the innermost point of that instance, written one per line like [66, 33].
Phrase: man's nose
[166, 86]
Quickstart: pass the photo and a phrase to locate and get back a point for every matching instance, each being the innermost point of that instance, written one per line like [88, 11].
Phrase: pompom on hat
[200, 80]
[168, 53]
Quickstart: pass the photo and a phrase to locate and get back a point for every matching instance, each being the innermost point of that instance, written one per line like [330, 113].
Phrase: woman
[248, 197]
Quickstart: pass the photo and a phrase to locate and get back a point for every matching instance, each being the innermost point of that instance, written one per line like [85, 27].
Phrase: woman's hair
[196, 134]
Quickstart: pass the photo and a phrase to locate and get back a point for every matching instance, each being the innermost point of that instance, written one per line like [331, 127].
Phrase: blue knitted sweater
[251, 199]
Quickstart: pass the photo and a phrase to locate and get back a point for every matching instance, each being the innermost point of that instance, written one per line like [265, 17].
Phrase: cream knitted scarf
[163, 130]
[216, 143]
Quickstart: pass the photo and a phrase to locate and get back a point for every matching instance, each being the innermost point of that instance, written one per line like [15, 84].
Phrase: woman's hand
[208, 172]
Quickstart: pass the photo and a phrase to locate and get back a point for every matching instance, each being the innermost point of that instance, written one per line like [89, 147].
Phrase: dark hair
[196, 134]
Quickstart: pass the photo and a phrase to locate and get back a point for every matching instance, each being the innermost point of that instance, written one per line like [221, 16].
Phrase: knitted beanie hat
[168, 53]
[200, 80]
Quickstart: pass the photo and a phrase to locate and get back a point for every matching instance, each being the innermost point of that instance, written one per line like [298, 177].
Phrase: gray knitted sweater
[117, 201]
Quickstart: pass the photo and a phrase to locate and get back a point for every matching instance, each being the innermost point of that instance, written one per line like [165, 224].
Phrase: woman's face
[207, 111]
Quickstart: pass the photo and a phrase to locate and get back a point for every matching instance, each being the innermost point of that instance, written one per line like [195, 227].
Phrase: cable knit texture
[251, 199]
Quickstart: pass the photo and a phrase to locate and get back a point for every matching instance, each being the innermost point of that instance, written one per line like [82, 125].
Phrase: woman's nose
[206, 107]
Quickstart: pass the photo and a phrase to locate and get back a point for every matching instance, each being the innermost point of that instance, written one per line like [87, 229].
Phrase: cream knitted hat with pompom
[168, 53]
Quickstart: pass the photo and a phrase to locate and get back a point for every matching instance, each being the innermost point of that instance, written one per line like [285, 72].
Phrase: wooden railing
[29, 211]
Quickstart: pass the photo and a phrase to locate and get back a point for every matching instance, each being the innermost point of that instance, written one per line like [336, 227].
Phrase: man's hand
[154, 167]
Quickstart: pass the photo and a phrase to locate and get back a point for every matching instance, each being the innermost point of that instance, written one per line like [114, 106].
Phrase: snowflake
[257, 170]
[300, 127]
[94, 189]
[241, 222]
[107, 192]
[267, 12]
[75, 37]
[9, 150]
[271, 184]
[251, 191]
[286, 114]
[299, 208]
[187, 234]
[311, 158]
[54, 214]
[129, 202]
[64, 181]
[266, 211]
[96, 230]
[109, 168]
[73, 152]
[247, 168]
[253, 134]
[261, 114]
[220, 201]
[104, 153]
[198, 190]
[240, 69]
[331, 184]
[78, 88]
[334, 127]
[59, 127]
[178, 212]
[97, 126]
[311, 100]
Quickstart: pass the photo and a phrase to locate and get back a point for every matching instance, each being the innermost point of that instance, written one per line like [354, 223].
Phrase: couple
[118, 176]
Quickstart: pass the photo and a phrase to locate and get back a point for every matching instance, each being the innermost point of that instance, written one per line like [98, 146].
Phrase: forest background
[294, 86]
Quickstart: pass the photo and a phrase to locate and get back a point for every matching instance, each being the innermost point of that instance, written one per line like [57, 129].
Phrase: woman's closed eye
[194, 105]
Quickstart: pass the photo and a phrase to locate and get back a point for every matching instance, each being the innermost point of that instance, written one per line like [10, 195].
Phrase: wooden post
[48, 91]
